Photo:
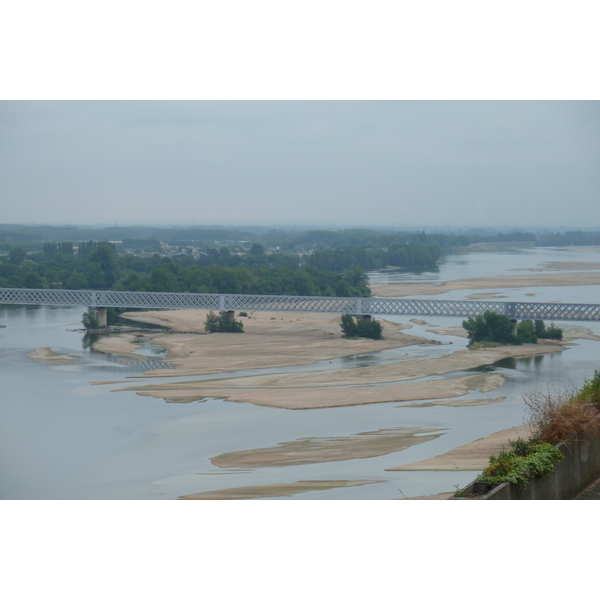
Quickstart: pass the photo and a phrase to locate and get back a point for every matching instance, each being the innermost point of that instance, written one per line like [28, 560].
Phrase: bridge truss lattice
[302, 304]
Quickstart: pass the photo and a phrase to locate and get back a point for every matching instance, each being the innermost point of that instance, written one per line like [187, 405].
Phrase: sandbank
[276, 490]
[486, 296]
[394, 290]
[317, 450]
[461, 403]
[312, 398]
[565, 266]
[349, 387]
[48, 355]
[470, 457]
[576, 332]
[124, 344]
[269, 340]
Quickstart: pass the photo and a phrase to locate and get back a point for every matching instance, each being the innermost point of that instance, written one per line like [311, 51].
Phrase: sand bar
[470, 457]
[269, 340]
[124, 344]
[317, 450]
[276, 490]
[388, 373]
[564, 266]
[307, 398]
[393, 290]
[48, 355]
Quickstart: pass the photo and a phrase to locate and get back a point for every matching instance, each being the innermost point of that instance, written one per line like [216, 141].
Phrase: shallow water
[61, 437]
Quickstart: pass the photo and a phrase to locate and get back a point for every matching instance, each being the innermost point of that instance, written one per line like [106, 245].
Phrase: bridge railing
[308, 304]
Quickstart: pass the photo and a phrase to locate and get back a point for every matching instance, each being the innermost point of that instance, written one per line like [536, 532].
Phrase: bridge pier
[100, 313]
[515, 324]
[363, 317]
[229, 315]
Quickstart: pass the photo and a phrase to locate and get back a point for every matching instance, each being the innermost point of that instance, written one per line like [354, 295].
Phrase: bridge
[228, 303]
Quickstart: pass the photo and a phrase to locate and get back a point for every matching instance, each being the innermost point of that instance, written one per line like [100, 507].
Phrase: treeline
[102, 268]
[405, 255]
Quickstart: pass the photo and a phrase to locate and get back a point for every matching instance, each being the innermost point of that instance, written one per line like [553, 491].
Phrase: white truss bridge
[302, 304]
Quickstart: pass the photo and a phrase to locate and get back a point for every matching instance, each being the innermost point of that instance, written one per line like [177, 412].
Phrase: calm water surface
[63, 438]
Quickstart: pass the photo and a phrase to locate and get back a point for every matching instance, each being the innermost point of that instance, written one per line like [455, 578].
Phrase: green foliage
[366, 329]
[490, 327]
[348, 325]
[90, 320]
[494, 327]
[553, 333]
[221, 324]
[370, 329]
[539, 460]
[526, 332]
[257, 250]
[243, 313]
[16, 256]
[590, 392]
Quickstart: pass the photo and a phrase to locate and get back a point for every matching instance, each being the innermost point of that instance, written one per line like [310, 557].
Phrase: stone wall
[579, 468]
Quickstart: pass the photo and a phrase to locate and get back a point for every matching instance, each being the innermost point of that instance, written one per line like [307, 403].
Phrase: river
[63, 438]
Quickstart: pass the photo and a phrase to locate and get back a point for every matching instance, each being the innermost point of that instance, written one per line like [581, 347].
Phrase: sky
[316, 163]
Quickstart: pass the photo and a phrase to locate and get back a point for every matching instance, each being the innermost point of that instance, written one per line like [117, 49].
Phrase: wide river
[63, 438]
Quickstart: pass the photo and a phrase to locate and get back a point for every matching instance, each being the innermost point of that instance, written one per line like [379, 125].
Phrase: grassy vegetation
[555, 417]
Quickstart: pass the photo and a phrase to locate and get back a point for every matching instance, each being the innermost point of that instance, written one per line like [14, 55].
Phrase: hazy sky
[318, 163]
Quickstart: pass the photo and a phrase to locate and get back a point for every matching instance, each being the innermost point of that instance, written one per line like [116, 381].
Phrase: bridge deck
[315, 304]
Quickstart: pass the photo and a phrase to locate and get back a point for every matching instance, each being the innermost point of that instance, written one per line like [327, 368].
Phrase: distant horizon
[302, 163]
[304, 226]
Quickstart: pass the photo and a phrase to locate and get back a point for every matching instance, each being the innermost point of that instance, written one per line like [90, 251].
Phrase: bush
[526, 332]
[90, 320]
[553, 333]
[558, 417]
[216, 324]
[366, 329]
[490, 327]
[494, 327]
[539, 460]
[590, 392]
[349, 327]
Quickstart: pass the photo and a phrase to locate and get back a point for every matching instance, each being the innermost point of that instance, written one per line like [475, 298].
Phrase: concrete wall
[579, 468]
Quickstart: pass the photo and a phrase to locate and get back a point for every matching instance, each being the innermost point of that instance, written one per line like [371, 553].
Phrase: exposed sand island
[276, 490]
[270, 340]
[317, 450]
[564, 266]
[393, 290]
[470, 457]
[48, 355]
[348, 387]
[284, 339]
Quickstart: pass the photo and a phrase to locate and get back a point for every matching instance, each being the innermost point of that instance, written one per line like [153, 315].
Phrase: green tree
[90, 320]
[348, 325]
[257, 250]
[16, 256]
[526, 332]
[490, 327]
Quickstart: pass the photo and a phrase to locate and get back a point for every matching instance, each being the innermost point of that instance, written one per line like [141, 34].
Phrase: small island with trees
[493, 328]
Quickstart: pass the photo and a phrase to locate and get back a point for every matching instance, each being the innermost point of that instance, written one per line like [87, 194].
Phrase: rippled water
[61, 437]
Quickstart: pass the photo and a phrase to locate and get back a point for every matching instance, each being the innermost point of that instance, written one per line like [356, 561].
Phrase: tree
[16, 256]
[348, 325]
[90, 320]
[368, 329]
[526, 332]
[490, 327]
[257, 249]
[215, 324]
